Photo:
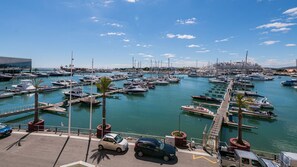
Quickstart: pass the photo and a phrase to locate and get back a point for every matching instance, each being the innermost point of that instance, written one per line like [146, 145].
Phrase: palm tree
[241, 102]
[103, 87]
[36, 84]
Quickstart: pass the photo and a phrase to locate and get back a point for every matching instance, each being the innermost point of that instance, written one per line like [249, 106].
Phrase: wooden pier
[57, 107]
[221, 118]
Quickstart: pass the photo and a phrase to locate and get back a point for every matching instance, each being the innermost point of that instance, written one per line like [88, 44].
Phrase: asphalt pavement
[23, 149]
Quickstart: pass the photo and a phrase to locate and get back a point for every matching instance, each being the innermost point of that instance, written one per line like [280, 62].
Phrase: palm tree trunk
[36, 119]
[103, 112]
[239, 139]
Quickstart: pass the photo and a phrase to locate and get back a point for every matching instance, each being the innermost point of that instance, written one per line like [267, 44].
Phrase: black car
[154, 147]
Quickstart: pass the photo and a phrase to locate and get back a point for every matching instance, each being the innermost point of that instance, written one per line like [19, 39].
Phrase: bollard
[56, 129]
[77, 132]
[19, 127]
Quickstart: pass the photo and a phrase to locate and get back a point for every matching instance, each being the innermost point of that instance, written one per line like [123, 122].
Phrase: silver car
[112, 141]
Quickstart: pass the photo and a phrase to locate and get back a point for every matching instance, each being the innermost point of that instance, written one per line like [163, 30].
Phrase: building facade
[12, 65]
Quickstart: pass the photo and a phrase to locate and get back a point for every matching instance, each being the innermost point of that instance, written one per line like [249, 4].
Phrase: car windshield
[160, 144]
[2, 126]
[118, 138]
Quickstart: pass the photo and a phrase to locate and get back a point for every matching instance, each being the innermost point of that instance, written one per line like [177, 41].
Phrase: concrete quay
[48, 149]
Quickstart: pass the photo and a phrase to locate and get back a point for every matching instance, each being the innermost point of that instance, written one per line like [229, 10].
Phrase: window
[245, 161]
[256, 163]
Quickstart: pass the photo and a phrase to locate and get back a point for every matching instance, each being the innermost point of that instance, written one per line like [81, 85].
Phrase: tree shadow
[18, 142]
[99, 155]
[157, 160]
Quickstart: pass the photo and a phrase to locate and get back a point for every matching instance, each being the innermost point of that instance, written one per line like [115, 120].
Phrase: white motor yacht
[135, 89]
[76, 93]
[25, 85]
[61, 82]
[197, 110]
[161, 82]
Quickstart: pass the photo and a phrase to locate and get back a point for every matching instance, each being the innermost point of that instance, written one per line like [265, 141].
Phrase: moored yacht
[25, 85]
[5, 77]
[292, 82]
[61, 82]
[135, 89]
[76, 93]
[197, 110]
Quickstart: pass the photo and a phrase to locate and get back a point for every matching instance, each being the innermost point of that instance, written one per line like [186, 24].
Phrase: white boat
[71, 81]
[161, 82]
[135, 89]
[197, 110]
[6, 95]
[217, 80]
[61, 83]
[89, 79]
[172, 79]
[259, 77]
[76, 93]
[25, 85]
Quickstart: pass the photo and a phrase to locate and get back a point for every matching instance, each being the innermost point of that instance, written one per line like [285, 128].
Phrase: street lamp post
[69, 112]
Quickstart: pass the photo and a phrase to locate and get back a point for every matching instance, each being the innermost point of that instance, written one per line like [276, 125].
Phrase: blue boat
[292, 82]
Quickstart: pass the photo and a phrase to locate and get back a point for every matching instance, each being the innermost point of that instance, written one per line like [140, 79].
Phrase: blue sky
[114, 31]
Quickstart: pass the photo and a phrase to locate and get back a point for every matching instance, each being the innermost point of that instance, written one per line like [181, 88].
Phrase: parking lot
[42, 149]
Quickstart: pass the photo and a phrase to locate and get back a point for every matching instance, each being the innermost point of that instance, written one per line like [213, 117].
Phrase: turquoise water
[158, 112]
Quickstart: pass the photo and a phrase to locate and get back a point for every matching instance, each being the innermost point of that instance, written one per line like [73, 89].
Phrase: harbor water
[158, 112]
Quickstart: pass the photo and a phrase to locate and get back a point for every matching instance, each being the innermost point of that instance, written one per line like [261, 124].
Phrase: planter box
[235, 145]
[180, 141]
[38, 126]
[99, 130]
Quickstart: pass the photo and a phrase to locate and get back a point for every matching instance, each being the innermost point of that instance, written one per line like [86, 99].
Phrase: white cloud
[193, 46]
[180, 36]
[145, 55]
[126, 40]
[269, 42]
[144, 45]
[290, 45]
[170, 36]
[224, 40]
[291, 12]
[107, 2]
[283, 29]
[113, 34]
[132, 1]
[115, 25]
[187, 21]
[94, 19]
[168, 55]
[203, 51]
[275, 25]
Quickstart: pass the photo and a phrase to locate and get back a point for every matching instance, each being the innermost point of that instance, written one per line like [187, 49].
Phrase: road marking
[198, 157]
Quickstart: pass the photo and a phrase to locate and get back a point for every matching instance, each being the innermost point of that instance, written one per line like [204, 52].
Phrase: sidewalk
[46, 149]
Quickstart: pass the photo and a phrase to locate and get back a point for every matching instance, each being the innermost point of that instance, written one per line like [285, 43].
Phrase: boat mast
[246, 69]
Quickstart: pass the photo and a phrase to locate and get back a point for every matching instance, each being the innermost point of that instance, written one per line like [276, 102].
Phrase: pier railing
[59, 130]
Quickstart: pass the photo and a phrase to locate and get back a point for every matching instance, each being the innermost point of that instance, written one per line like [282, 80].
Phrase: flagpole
[91, 98]
[70, 93]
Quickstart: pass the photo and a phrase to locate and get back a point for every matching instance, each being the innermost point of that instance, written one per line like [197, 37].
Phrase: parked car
[155, 148]
[112, 141]
[5, 130]
[241, 158]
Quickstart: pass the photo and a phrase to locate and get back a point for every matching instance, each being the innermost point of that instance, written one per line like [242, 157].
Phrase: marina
[138, 107]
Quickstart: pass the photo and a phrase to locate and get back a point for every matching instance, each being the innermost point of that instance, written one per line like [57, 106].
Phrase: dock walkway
[52, 107]
[220, 118]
